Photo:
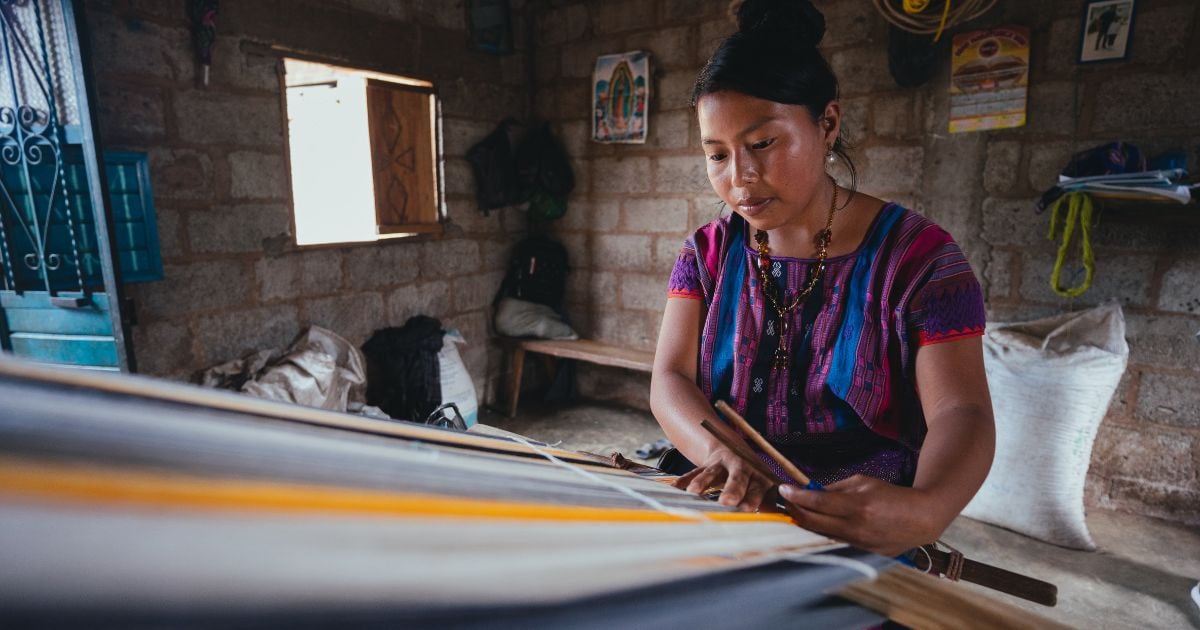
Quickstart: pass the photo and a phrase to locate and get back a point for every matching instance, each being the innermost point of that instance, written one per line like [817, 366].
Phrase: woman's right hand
[744, 487]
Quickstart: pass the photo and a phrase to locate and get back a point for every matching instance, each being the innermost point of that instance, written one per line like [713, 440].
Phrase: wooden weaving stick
[762, 443]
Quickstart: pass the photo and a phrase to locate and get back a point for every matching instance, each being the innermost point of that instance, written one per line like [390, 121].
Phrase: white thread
[867, 570]
[681, 512]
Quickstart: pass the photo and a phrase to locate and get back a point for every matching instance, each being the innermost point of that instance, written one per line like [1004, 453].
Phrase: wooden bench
[579, 349]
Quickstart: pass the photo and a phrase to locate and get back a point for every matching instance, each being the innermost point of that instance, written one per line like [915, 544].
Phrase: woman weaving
[845, 329]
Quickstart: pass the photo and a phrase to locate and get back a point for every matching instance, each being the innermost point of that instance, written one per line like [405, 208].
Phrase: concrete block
[583, 176]
[238, 229]
[711, 33]
[480, 100]
[621, 252]
[1163, 342]
[475, 292]
[674, 90]
[848, 23]
[675, 11]
[596, 215]
[645, 292]
[862, 70]
[1046, 161]
[448, 14]
[459, 135]
[1159, 97]
[1161, 34]
[130, 114]
[893, 115]
[1157, 500]
[666, 253]
[578, 59]
[855, 119]
[306, 273]
[1001, 169]
[1014, 222]
[1127, 279]
[629, 329]
[579, 249]
[196, 287]
[134, 47]
[1181, 287]
[227, 336]
[446, 258]
[891, 170]
[383, 264]
[232, 67]
[170, 229]
[389, 9]
[576, 136]
[669, 130]
[458, 176]
[256, 175]
[649, 214]
[682, 174]
[562, 24]
[495, 254]
[1148, 455]
[668, 47]
[464, 213]
[181, 174]
[578, 295]
[1062, 52]
[706, 210]
[621, 175]
[352, 315]
[163, 348]
[617, 16]
[424, 298]
[998, 274]
[1053, 108]
[213, 118]
[602, 286]
[1172, 399]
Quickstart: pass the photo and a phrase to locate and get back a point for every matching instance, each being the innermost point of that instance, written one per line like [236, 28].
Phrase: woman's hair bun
[797, 19]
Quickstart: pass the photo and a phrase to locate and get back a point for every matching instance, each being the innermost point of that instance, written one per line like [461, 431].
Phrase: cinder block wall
[234, 279]
[637, 202]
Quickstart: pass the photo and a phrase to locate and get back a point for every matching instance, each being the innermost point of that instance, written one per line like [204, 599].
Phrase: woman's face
[765, 159]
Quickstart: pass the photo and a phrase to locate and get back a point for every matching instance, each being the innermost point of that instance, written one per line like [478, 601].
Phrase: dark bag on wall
[537, 272]
[491, 159]
[545, 175]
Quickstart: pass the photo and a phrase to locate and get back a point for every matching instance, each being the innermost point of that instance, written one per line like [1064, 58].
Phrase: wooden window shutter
[403, 147]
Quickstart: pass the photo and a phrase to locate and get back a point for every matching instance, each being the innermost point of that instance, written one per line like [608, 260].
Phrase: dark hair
[774, 56]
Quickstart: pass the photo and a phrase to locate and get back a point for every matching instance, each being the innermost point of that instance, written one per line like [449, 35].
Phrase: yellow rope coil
[1079, 210]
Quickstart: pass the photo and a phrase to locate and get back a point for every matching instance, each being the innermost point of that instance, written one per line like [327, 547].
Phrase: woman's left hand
[868, 513]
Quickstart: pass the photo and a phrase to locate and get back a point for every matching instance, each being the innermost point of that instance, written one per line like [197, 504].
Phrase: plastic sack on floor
[457, 386]
[1051, 381]
[319, 369]
[518, 318]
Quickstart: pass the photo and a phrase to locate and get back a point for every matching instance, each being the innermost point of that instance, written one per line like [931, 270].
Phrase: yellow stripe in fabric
[96, 485]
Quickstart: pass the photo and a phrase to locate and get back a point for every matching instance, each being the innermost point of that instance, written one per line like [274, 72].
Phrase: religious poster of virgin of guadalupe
[620, 97]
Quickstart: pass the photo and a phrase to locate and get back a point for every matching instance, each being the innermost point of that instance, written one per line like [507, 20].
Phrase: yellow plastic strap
[1079, 210]
[913, 7]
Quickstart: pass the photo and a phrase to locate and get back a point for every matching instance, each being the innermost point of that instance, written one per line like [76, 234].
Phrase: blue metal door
[61, 294]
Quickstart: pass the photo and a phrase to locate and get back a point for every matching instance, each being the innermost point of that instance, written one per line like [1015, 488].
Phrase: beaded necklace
[783, 311]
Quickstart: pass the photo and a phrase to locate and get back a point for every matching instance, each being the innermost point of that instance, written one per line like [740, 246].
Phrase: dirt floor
[1140, 577]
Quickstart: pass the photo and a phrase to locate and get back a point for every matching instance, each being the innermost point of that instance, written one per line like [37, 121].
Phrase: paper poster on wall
[989, 79]
[620, 95]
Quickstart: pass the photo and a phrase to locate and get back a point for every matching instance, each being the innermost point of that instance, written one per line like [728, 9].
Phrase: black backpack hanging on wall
[545, 175]
[496, 184]
[537, 272]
